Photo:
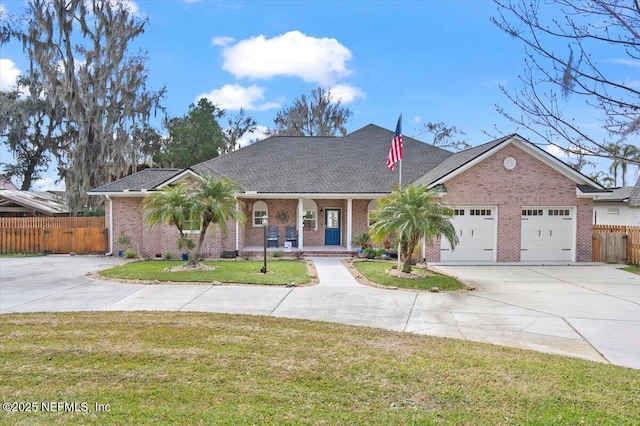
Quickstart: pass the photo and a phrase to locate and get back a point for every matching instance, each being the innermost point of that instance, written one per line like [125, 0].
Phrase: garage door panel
[547, 234]
[476, 231]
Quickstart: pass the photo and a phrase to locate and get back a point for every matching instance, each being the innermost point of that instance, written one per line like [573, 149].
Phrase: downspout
[110, 227]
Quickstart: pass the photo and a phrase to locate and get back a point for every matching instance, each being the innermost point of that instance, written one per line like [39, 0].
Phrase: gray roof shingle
[145, 179]
[634, 197]
[355, 163]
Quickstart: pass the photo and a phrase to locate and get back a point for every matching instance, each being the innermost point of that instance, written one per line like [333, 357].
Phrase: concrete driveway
[586, 311]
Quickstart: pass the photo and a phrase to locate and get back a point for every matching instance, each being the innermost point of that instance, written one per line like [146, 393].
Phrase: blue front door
[332, 227]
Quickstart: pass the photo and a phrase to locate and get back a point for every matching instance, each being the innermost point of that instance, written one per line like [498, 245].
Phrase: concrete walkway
[586, 311]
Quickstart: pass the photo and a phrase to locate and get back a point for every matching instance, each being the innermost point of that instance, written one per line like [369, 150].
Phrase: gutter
[110, 226]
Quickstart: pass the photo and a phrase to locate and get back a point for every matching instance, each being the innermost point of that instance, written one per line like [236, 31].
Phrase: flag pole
[399, 187]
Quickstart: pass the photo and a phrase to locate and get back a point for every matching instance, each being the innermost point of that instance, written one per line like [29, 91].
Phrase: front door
[332, 227]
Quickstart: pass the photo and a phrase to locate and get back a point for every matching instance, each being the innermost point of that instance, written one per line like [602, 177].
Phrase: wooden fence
[616, 244]
[60, 235]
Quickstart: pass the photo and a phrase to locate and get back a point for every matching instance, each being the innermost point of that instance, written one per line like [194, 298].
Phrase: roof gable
[464, 160]
[634, 197]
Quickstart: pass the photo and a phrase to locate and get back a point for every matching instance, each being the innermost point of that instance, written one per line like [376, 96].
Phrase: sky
[431, 61]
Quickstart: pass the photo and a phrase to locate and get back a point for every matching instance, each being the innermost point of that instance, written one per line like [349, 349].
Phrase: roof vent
[509, 163]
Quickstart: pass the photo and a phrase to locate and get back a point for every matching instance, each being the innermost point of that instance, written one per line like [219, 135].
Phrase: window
[371, 210]
[458, 212]
[558, 212]
[480, 212]
[532, 212]
[613, 210]
[310, 217]
[192, 226]
[260, 211]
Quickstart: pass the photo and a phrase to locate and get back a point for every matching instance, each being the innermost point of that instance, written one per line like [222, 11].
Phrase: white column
[300, 223]
[349, 223]
[424, 248]
[237, 229]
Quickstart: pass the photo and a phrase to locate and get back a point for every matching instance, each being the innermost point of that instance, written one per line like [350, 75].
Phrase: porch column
[237, 229]
[349, 223]
[300, 224]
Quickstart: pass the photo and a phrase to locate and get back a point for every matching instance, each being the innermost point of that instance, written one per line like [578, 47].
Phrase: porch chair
[273, 236]
[291, 236]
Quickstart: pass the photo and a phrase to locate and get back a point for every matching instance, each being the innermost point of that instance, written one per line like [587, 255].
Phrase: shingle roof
[145, 179]
[614, 194]
[457, 160]
[634, 197]
[43, 202]
[355, 163]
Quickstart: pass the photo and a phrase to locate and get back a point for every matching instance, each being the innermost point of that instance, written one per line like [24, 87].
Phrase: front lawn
[280, 272]
[201, 368]
[377, 272]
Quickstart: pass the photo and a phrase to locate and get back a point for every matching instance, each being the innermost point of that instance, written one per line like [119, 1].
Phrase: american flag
[395, 153]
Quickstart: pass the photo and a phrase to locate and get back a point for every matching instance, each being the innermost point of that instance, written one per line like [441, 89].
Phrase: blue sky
[437, 61]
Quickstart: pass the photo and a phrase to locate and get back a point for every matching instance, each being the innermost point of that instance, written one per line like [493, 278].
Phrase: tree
[210, 201]
[621, 155]
[412, 213]
[216, 203]
[239, 125]
[175, 206]
[554, 73]
[317, 115]
[446, 136]
[193, 138]
[31, 129]
[81, 47]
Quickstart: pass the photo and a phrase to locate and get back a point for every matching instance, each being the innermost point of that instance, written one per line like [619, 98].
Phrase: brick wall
[530, 183]
[129, 216]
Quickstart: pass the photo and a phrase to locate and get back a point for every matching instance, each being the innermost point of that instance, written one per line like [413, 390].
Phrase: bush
[276, 253]
[168, 255]
[130, 254]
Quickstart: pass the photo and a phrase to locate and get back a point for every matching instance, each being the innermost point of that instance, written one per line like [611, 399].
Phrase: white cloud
[8, 74]
[222, 41]
[345, 93]
[630, 62]
[257, 135]
[317, 60]
[416, 119]
[234, 97]
[556, 151]
[3, 11]
[48, 184]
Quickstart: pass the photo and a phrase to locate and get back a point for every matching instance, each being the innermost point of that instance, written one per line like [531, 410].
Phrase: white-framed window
[192, 226]
[310, 214]
[371, 208]
[260, 211]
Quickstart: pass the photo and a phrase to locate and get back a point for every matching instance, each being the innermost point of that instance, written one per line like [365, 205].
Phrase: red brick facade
[488, 183]
[530, 183]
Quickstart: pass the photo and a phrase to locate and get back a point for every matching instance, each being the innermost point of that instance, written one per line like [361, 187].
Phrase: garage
[547, 234]
[476, 230]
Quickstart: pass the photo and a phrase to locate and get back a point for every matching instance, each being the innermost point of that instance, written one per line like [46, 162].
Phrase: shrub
[168, 255]
[130, 254]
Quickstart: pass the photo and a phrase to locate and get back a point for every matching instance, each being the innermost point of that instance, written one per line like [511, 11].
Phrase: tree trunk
[406, 266]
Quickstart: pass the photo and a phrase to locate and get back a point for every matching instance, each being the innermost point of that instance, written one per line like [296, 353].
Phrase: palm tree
[174, 206]
[622, 156]
[216, 202]
[412, 213]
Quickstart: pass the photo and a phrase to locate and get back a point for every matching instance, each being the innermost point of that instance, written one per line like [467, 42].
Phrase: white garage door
[476, 230]
[547, 234]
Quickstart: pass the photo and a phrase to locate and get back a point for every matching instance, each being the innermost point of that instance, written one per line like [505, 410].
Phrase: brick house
[514, 202]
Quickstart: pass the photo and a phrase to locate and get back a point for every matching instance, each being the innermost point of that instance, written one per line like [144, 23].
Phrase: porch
[318, 251]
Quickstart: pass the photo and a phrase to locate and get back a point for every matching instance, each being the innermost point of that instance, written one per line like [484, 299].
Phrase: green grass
[12, 255]
[634, 269]
[247, 272]
[198, 368]
[377, 273]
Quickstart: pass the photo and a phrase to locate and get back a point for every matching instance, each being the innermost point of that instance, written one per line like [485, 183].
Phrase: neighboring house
[615, 207]
[513, 201]
[15, 203]
[5, 183]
